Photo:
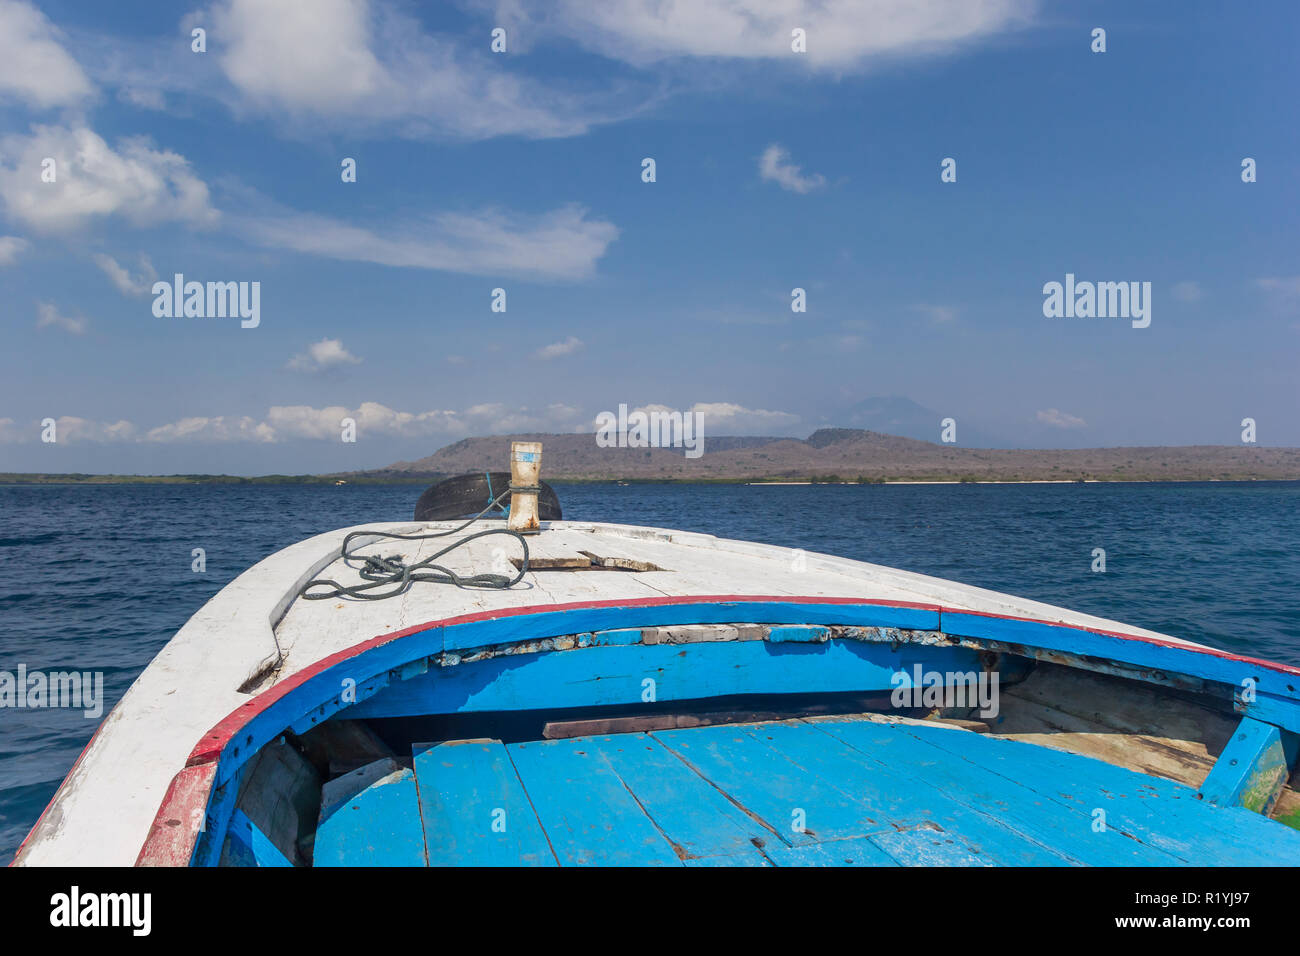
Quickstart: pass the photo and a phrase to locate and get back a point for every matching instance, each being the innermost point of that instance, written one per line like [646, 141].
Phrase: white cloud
[127, 283]
[219, 429]
[48, 315]
[322, 355]
[283, 423]
[34, 67]
[144, 185]
[561, 244]
[10, 248]
[72, 428]
[558, 349]
[775, 166]
[1059, 419]
[841, 34]
[1186, 291]
[354, 63]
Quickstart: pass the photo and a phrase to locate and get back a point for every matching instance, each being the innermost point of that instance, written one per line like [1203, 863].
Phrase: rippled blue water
[98, 578]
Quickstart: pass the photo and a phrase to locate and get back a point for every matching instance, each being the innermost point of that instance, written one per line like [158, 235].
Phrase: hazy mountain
[852, 454]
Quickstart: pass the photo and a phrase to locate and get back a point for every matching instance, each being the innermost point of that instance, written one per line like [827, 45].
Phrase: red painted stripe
[177, 825]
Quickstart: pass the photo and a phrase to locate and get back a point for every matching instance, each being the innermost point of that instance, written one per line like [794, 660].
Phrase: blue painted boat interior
[522, 742]
[829, 791]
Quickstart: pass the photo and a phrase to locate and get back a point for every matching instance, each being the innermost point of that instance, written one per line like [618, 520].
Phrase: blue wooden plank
[787, 633]
[1003, 796]
[900, 800]
[258, 845]
[1158, 812]
[600, 676]
[1253, 767]
[589, 816]
[799, 806]
[380, 826]
[927, 847]
[474, 809]
[750, 857]
[1139, 810]
[689, 811]
[859, 851]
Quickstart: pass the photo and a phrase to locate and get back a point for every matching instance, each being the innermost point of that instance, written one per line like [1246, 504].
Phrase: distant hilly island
[853, 455]
[827, 455]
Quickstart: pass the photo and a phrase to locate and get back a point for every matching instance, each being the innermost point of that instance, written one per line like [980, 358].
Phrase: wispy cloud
[48, 316]
[11, 247]
[1058, 419]
[120, 276]
[1284, 290]
[775, 166]
[558, 349]
[1187, 291]
[322, 355]
[562, 244]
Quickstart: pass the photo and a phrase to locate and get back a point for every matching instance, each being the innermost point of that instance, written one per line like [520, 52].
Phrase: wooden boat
[645, 696]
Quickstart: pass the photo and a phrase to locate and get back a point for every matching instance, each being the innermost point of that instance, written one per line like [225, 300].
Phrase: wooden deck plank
[751, 857]
[897, 798]
[589, 816]
[474, 809]
[690, 812]
[927, 847]
[797, 805]
[1150, 812]
[380, 826]
[859, 851]
[910, 750]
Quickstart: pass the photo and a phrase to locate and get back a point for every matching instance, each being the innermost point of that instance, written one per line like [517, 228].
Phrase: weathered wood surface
[379, 826]
[1121, 722]
[1253, 768]
[834, 791]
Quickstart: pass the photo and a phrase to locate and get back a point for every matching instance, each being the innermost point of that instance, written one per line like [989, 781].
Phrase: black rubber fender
[466, 495]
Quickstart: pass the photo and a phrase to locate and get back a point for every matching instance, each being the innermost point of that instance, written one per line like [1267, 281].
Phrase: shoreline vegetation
[846, 456]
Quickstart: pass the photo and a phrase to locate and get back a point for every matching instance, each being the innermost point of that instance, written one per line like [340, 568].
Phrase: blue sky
[522, 170]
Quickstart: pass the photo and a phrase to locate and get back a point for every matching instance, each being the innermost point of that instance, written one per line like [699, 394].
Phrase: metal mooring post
[525, 484]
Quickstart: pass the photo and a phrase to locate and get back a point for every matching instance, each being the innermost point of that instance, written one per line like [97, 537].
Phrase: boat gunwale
[170, 842]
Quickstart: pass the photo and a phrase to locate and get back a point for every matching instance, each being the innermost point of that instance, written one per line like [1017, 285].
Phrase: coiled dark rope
[398, 576]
